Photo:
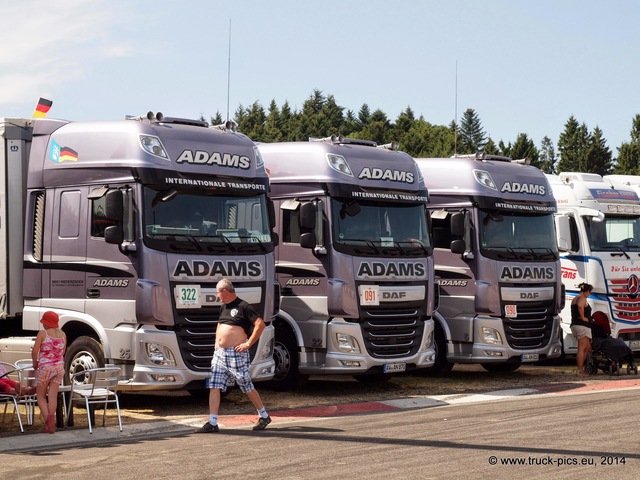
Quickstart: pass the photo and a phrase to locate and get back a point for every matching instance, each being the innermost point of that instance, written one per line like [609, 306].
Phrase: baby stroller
[608, 353]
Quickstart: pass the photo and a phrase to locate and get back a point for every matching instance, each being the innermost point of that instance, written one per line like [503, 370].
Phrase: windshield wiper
[192, 240]
[368, 243]
[620, 249]
[411, 246]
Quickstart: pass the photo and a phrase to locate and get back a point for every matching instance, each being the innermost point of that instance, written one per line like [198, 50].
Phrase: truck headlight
[430, 339]
[491, 336]
[159, 354]
[347, 343]
[267, 351]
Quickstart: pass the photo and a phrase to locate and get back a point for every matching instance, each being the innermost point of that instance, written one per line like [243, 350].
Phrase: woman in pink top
[48, 361]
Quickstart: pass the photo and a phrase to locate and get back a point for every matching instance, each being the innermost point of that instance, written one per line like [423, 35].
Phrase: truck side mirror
[308, 216]
[271, 212]
[563, 233]
[458, 246]
[457, 224]
[114, 205]
[114, 234]
[308, 240]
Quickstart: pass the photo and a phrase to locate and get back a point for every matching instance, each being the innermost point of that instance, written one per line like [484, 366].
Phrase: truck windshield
[191, 220]
[370, 229]
[614, 233]
[506, 235]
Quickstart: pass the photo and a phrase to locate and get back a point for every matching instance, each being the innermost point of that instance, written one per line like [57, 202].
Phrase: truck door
[109, 272]
[68, 247]
[455, 276]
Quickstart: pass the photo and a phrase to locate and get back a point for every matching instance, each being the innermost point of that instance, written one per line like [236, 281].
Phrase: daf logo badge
[633, 285]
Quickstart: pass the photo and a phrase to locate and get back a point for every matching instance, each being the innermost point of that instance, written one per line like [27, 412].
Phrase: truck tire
[285, 354]
[501, 367]
[441, 366]
[83, 354]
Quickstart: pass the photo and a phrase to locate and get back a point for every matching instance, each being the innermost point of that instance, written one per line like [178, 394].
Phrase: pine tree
[471, 132]
[628, 162]
[525, 148]
[251, 121]
[363, 115]
[598, 155]
[547, 156]
[573, 146]
[491, 148]
[377, 129]
[273, 127]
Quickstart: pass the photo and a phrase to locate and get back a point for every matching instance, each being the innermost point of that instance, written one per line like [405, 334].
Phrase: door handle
[93, 293]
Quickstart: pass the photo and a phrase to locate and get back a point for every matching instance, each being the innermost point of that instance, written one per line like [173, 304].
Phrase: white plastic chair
[27, 381]
[102, 390]
[10, 370]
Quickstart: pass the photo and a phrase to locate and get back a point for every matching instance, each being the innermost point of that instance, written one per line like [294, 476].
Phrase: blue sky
[524, 66]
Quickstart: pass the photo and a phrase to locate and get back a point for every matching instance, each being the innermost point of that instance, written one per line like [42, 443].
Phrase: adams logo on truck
[386, 174]
[527, 274]
[218, 269]
[396, 270]
[524, 188]
[201, 157]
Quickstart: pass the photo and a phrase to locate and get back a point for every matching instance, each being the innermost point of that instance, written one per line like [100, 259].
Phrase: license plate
[394, 367]
[530, 357]
[188, 296]
[634, 344]
[369, 294]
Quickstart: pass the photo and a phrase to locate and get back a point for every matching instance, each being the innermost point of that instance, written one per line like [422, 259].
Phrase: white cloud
[47, 42]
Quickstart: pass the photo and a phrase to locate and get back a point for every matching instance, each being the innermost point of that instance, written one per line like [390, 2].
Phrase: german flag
[42, 108]
[68, 154]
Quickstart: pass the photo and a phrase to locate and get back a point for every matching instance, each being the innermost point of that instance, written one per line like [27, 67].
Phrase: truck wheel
[83, 354]
[501, 367]
[285, 354]
[441, 366]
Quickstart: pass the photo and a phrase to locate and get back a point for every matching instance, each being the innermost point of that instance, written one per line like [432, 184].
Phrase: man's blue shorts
[228, 365]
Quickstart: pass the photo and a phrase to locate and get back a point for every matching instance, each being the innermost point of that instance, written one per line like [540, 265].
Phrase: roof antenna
[229, 72]
[455, 116]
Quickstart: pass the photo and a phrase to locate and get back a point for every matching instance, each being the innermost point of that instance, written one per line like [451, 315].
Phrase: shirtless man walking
[239, 327]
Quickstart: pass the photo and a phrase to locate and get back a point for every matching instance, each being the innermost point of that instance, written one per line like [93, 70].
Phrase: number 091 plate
[369, 294]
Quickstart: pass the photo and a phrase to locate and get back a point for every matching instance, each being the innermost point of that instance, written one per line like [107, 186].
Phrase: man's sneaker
[262, 423]
[208, 428]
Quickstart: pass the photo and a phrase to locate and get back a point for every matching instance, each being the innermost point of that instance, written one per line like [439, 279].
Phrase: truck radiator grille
[390, 335]
[196, 335]
[531, 328]
[626, 305]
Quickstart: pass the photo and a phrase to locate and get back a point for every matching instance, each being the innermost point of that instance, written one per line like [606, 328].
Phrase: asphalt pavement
[104, 435]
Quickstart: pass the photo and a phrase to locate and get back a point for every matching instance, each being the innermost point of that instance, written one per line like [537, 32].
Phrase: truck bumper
[483, 351]
[146, 376]
[337, 362]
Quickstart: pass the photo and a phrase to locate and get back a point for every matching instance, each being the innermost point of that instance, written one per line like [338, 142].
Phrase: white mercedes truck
[602, 248]
[497, 262]
[123, 228]
[354, 263]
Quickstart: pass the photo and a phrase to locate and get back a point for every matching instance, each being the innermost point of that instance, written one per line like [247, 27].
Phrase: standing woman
[581, 325]
[48, 361]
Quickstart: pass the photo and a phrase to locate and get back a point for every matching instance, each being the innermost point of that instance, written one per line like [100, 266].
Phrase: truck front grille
[626, 306]
[196, 331]
[392, 334]
[532, 327]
